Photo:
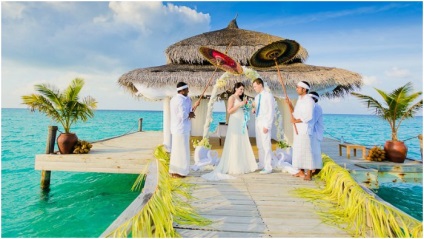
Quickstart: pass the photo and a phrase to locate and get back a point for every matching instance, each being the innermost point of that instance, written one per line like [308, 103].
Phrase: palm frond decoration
[346, 204]
[166, 205]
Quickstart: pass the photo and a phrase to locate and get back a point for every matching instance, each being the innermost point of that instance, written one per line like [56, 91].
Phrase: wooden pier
[127, 154]
[252, 205]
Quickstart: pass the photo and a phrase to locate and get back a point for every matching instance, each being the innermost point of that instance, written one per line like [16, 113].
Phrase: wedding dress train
[237, 155]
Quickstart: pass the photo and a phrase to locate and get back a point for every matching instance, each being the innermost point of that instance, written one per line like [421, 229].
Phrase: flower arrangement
[283, 144]
[250, 73]
[222, 81]
[204, 142]
[278, 122]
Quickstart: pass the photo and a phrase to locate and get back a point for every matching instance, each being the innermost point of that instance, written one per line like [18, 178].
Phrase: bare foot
[299, 174]
[308, 176]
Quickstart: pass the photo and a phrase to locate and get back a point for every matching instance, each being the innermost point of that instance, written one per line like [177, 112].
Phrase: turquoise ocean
[84, 204]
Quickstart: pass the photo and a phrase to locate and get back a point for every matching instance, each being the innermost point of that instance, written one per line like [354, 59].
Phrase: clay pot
[395, 151]
[66, 142]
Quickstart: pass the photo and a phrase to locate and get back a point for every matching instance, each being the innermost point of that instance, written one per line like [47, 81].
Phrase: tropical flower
[204, 142]
[250, 73]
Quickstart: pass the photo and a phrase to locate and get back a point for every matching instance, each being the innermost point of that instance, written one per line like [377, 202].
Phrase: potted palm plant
[397, 106]
[63, 107]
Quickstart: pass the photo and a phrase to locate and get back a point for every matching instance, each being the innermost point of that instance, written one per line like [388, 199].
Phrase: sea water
[85, 204]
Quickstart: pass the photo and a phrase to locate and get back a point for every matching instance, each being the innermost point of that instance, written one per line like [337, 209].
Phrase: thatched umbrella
[185, 63]
[243, 44]
[158, 82]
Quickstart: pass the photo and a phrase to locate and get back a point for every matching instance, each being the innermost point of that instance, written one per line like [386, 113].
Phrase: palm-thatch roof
[185, 63]
[334, 82]
[241, 45]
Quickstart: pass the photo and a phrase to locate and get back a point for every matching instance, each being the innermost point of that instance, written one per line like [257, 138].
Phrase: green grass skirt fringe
[344, 203]
[168, 204]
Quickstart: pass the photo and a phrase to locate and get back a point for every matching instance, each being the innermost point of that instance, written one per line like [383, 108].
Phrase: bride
[237, 155]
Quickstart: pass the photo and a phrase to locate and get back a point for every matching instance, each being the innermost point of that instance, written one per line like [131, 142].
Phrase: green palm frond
[396, 105]
[346, 204]
[62, 107]
[167, 205]
[371, 103]
[72, 91]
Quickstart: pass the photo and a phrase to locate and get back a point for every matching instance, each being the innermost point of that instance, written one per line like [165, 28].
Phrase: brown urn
[395, 151]
[66, 142]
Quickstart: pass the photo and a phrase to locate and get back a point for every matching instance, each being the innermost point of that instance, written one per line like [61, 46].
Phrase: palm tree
[62, 107]
[397, 106]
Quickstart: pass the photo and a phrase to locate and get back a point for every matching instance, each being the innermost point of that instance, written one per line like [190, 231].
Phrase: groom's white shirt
[266, 109]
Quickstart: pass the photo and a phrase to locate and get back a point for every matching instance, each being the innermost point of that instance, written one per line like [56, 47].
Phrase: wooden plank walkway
[127, 154]
[256, 205]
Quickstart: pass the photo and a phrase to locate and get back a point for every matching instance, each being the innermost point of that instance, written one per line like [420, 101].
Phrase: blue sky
[54, 42]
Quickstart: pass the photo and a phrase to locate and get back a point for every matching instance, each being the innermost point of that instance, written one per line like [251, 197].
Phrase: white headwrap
[314, 96]
[182, 87]
[303, 85]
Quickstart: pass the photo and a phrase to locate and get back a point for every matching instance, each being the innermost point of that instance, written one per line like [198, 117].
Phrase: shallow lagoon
[84, 204]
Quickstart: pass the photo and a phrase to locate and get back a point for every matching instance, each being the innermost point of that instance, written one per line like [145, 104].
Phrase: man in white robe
[318, 132]
[317, 124]
[264, 110]
[302, 149]
[181, 113]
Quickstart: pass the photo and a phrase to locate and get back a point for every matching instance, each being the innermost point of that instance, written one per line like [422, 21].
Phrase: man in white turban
[318, 132]
[302, 150]
[181, 113]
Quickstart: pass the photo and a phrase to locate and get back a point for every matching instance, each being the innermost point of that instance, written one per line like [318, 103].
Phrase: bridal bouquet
[246, 108]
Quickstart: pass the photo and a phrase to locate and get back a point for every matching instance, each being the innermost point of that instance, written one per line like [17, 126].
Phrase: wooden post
[45, 174]
[420, 137]
[140, 124]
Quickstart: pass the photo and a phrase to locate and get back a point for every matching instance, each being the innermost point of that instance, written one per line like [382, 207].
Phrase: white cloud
[54, 42]
[12, 10]
[369, 80]
[396, 72]
[152, 17]
[133, 34]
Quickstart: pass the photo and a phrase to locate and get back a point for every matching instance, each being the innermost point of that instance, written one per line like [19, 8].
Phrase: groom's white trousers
[263, 142]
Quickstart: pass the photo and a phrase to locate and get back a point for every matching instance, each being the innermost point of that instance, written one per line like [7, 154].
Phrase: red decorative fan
[221, 60]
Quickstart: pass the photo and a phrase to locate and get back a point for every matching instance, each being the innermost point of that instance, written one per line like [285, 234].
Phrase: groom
[264, 111]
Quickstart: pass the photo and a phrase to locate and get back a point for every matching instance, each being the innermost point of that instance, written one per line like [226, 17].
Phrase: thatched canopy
[185, 63]
[333, 82]
[243, 44]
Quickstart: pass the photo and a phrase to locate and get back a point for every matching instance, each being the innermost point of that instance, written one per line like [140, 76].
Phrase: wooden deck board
[257, 206]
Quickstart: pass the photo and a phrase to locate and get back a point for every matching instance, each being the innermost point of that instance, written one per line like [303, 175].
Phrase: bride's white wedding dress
[237, 155]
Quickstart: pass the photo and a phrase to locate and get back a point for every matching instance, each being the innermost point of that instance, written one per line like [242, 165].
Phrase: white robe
[180, 107]
[264, 119]
[317, 136]
[302, 148]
